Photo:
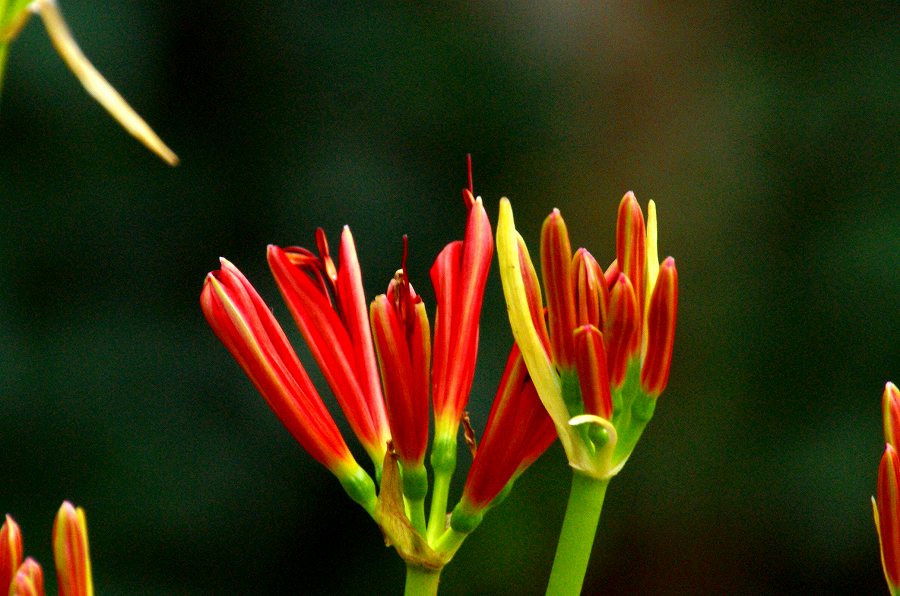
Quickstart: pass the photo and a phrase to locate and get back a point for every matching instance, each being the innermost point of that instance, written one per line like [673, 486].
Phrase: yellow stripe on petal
[652, 253]
[94, 83]
[652, 271]
[541, 369]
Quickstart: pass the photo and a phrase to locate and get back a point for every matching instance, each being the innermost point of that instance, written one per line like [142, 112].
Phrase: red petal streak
[631, 240]
[593, 378]
[246, 326]
[660, 330]
[331, 346]
[518, 431]
[556, 264]
[401, 363]
[10, 551]
[591, 295]
[888, 499]
[621, 331]
[459, 275]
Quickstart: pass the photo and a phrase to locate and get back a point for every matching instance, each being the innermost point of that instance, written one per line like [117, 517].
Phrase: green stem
[421, 582]
[449, 542]
[437, 515]
[417, 514]
[577, 536]
[443, 464]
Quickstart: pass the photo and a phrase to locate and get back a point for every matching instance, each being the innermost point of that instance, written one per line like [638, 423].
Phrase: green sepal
[464, 519]
[632, 411]
[443, 454]
[359, 486]
[415, 483]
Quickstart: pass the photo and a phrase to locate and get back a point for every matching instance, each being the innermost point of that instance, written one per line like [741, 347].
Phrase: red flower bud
[621, 331]
[556, 268]
[29, 580]
[70, 551]
[338, 336]
[887, 515]
[10, 551]
[593, 377]
[631, 244]
[403, 345]
[591, 294]
[660, 330]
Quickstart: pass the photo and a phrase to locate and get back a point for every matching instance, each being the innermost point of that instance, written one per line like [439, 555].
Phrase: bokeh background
[766, 133]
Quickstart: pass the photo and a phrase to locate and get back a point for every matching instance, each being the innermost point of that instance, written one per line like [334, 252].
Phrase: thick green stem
[437, 515]
[577, 536]
[443, 463]
[421, 582]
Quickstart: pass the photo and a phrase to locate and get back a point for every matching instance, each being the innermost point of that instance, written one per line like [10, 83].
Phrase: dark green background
[768, 136]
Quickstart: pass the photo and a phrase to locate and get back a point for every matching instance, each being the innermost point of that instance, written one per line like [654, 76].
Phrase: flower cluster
[886, 506]
[70, 551]
[385, 366]
[600, 353]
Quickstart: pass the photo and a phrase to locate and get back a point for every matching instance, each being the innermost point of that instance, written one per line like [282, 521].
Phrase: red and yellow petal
[660, 330]
[556, 269]
[10, 551]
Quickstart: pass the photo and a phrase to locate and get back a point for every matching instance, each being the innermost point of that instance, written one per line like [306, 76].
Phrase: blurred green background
[766, 133]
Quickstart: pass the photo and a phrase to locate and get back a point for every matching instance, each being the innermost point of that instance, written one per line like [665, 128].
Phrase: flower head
[601, 354]
[385, 370]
